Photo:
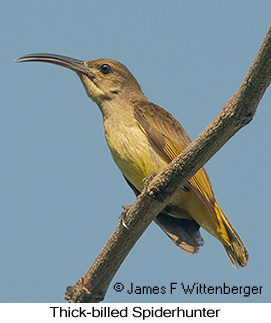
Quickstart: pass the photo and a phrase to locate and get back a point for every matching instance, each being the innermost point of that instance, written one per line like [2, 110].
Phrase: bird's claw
[122, 219]
[148, 179]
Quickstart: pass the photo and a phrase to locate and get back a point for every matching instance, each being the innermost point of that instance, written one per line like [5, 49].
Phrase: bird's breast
[131, 151]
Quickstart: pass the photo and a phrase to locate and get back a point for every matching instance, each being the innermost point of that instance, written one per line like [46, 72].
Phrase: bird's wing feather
[169, 139]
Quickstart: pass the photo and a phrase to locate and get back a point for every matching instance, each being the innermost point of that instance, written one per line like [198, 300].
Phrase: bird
[143, 139]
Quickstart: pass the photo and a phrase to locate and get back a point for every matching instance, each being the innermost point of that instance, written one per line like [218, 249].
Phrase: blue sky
[61, 194]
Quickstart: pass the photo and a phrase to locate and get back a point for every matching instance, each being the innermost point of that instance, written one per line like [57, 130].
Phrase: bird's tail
[234, 246]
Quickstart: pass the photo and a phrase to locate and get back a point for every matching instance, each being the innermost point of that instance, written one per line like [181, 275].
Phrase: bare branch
[237, 113]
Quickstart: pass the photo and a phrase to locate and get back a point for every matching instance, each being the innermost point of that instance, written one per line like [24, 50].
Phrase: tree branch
[158, 191]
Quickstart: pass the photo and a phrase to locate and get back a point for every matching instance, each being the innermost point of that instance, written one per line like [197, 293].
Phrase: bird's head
[103, 79]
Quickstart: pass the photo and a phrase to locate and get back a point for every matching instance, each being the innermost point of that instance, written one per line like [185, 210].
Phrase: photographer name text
[195, 288]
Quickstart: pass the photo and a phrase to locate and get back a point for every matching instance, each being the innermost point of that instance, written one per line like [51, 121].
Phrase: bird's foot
[148, 179]
[122, 218]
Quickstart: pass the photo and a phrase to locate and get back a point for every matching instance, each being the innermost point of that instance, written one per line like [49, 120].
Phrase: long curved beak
[64, 61]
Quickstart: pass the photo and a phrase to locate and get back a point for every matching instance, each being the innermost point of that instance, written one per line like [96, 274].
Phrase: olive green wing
[169, 139]
[163, 131]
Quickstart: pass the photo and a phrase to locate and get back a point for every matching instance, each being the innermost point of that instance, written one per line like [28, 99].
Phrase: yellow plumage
[137, 158]
[143, 138]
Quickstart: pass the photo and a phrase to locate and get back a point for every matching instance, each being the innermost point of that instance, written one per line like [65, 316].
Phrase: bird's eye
[105, 68]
